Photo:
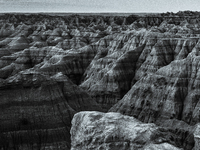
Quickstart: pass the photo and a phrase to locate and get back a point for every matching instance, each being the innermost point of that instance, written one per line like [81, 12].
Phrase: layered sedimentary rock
[170, 92]
[37, 109]
[117, 67]
[109, 75]
[95, 130]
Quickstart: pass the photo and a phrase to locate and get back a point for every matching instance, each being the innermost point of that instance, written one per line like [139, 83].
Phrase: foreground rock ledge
[93, 130]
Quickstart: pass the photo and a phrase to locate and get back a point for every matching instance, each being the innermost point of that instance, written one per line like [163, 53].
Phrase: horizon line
[103, 12]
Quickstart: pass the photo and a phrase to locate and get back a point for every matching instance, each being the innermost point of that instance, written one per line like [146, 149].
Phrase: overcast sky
[98, 5]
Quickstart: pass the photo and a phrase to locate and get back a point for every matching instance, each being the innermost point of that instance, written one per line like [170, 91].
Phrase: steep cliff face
[170, 92]
[109, 75]
[95, 130]
[116, 68]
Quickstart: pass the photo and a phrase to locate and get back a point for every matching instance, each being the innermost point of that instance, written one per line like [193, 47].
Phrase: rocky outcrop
[95, 130]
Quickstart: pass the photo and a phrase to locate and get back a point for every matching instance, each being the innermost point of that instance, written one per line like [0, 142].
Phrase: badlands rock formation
[55, 65]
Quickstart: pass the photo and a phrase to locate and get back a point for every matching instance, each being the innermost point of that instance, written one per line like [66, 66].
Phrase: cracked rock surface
[111, 131]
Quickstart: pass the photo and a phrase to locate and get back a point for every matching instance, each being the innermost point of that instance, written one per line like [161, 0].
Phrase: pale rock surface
[197, 137]
[112, 131]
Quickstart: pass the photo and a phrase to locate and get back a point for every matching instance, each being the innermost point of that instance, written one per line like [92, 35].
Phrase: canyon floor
[100, 81]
